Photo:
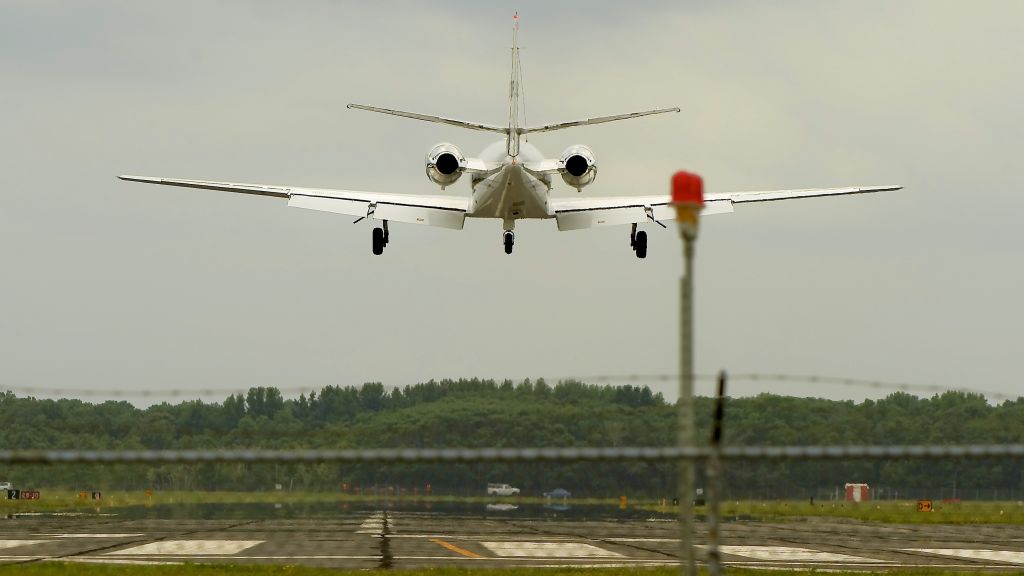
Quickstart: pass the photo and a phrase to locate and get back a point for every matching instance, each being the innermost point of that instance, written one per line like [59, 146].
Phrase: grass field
[896, 511]
[889, 511]
[56, 568]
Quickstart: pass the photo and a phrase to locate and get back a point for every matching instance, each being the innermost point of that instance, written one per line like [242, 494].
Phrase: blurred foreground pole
[688, 198]
[714, 479]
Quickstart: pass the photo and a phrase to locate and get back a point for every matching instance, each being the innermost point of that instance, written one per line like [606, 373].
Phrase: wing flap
[336, 205]
[661, 209]
[580, 219]
[438, 217]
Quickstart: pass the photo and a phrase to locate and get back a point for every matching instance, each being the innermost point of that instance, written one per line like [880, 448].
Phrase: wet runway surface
[396, 537]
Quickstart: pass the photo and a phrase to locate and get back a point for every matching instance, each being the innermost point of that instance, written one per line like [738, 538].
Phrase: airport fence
[853, 489]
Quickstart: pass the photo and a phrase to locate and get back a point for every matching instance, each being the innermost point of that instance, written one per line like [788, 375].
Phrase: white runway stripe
[91, 535]
[1009, 556]
[787, 554]
[16, 543]
[372, 525]
[188, 548]
[548, 550]
[115, 561]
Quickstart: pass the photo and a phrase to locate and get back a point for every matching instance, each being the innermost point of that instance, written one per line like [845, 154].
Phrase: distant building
[858, 492]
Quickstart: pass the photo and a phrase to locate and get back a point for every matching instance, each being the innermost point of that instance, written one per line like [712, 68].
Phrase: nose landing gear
[509, 238]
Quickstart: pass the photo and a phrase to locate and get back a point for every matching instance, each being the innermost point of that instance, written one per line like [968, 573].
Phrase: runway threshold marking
[188, 548]
[997, 555]
[16, 543]
[456, 549]
[548, 550]
[785, 553]
[90, 535]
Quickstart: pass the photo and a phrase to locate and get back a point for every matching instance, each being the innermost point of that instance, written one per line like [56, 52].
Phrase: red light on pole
[688, 198]
[687, 188]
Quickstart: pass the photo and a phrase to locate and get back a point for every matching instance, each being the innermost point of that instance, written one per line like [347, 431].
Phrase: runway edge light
[687, 196]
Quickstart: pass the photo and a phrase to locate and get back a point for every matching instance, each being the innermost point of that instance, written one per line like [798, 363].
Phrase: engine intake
[579, 167]
[445, 164]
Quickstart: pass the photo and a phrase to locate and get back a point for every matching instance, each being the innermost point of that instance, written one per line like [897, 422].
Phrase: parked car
[501, 490]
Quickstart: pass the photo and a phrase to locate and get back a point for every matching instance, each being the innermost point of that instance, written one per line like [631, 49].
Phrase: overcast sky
[113, 285]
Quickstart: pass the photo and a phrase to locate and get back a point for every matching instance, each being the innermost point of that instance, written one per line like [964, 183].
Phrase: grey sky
[107, 284]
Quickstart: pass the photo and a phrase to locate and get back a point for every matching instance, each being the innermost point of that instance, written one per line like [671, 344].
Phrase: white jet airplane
[511, 180]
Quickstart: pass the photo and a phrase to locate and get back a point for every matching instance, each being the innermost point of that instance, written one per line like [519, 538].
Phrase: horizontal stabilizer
[599, 120]
[428, 118]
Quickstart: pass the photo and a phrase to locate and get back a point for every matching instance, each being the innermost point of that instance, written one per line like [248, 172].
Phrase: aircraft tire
[510, 241]
[378, 241]
[641, 244]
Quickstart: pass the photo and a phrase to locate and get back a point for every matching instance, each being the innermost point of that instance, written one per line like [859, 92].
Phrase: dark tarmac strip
[405, 539]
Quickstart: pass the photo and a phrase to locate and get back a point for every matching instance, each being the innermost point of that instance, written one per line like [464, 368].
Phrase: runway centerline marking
[454, 548]
[1009, 556]
[188, 548]
[548, 550]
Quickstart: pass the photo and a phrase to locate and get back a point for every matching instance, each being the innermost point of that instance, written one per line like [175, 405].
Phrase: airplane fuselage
[510, 192]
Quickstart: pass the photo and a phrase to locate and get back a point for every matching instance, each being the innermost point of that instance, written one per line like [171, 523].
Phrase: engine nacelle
[445, 163]
[579, 167]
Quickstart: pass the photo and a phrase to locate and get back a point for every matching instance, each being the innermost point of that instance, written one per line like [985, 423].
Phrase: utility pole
[688, 199]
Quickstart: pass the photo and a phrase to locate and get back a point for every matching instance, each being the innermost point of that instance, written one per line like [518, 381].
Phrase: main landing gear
[638, 241]
[509, 238]
[380, 239]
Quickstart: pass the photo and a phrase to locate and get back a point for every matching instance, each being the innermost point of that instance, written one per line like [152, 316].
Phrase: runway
[397, 538]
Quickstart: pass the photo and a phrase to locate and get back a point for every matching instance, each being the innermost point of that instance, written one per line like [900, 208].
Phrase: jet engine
[579, 167]
[445, 163]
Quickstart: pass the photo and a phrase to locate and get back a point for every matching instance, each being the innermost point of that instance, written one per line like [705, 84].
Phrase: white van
[501, 490]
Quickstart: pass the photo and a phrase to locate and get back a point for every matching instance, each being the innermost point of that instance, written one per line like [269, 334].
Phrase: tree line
[486, 413]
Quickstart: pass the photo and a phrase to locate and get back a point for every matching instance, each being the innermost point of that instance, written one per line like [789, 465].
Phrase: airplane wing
[579, 213]
[441, 211]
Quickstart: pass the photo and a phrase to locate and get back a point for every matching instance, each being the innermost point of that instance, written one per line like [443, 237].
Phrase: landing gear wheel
[510, 240]
[378, 241]
[640, 244]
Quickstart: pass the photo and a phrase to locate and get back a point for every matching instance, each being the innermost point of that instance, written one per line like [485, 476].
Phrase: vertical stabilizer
[515, 85]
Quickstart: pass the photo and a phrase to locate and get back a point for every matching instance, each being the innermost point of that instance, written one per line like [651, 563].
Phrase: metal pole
[687, 434]
[714, 479]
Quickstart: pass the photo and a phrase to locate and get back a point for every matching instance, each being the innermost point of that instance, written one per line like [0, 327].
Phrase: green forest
[487, 413]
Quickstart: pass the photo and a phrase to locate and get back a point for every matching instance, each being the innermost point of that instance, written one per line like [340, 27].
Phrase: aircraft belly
[509, 194]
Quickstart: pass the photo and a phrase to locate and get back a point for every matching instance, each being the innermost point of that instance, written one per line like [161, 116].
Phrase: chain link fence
[814, 504]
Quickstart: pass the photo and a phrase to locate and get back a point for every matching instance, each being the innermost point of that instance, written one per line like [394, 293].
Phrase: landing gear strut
[380, 239]
[638, 241]
[510, 239]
